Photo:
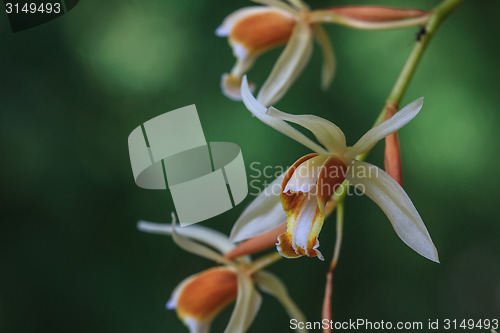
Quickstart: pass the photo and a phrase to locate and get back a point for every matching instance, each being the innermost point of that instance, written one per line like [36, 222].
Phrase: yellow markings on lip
[332, 174]
[262, 31]
[292, 203]
[207, 294]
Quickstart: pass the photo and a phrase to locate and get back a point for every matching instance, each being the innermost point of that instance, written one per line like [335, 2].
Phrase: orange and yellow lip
[304, 202]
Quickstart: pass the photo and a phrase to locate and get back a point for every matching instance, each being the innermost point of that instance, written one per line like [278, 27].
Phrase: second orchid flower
[252, 31]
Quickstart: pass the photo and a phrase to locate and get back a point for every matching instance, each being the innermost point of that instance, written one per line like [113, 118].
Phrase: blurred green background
[73, 89]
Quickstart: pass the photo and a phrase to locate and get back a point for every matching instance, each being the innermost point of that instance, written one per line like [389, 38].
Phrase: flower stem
[327, 300]
[338, 240]
[438, 15]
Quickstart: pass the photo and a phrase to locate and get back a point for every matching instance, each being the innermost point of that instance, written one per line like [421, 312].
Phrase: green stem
[439, 14]
[395, 97]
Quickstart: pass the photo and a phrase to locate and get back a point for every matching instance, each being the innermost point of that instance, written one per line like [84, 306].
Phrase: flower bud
[377, 13]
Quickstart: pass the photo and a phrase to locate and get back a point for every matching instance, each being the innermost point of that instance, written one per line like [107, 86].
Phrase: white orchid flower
[200, 297]
[254, 30]
[314, 178]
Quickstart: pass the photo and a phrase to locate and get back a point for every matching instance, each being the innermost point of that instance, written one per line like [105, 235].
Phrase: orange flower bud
[377, 13]
[392, 154]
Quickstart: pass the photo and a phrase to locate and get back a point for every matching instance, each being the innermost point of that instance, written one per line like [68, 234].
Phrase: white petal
[199, 233]
[290, 64]
[298, 4]
[278, 4]
[247, 305]
[196, 248]
[396, 204]
[329, 61]
[196, 326]
[326, 132]
[272, 285]
[224, 30]
[243, 63]
[259, 111]
[305, 225]
[263, 214]
[305, 177]
[382, 130]
[231, 86]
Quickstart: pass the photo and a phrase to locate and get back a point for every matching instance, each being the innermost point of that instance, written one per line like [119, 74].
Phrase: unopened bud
[377, 13]
[392, 154]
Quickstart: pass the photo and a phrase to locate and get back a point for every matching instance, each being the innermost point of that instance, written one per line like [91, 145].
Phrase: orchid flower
[314, 178]
[200, 297]
[254, 30]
